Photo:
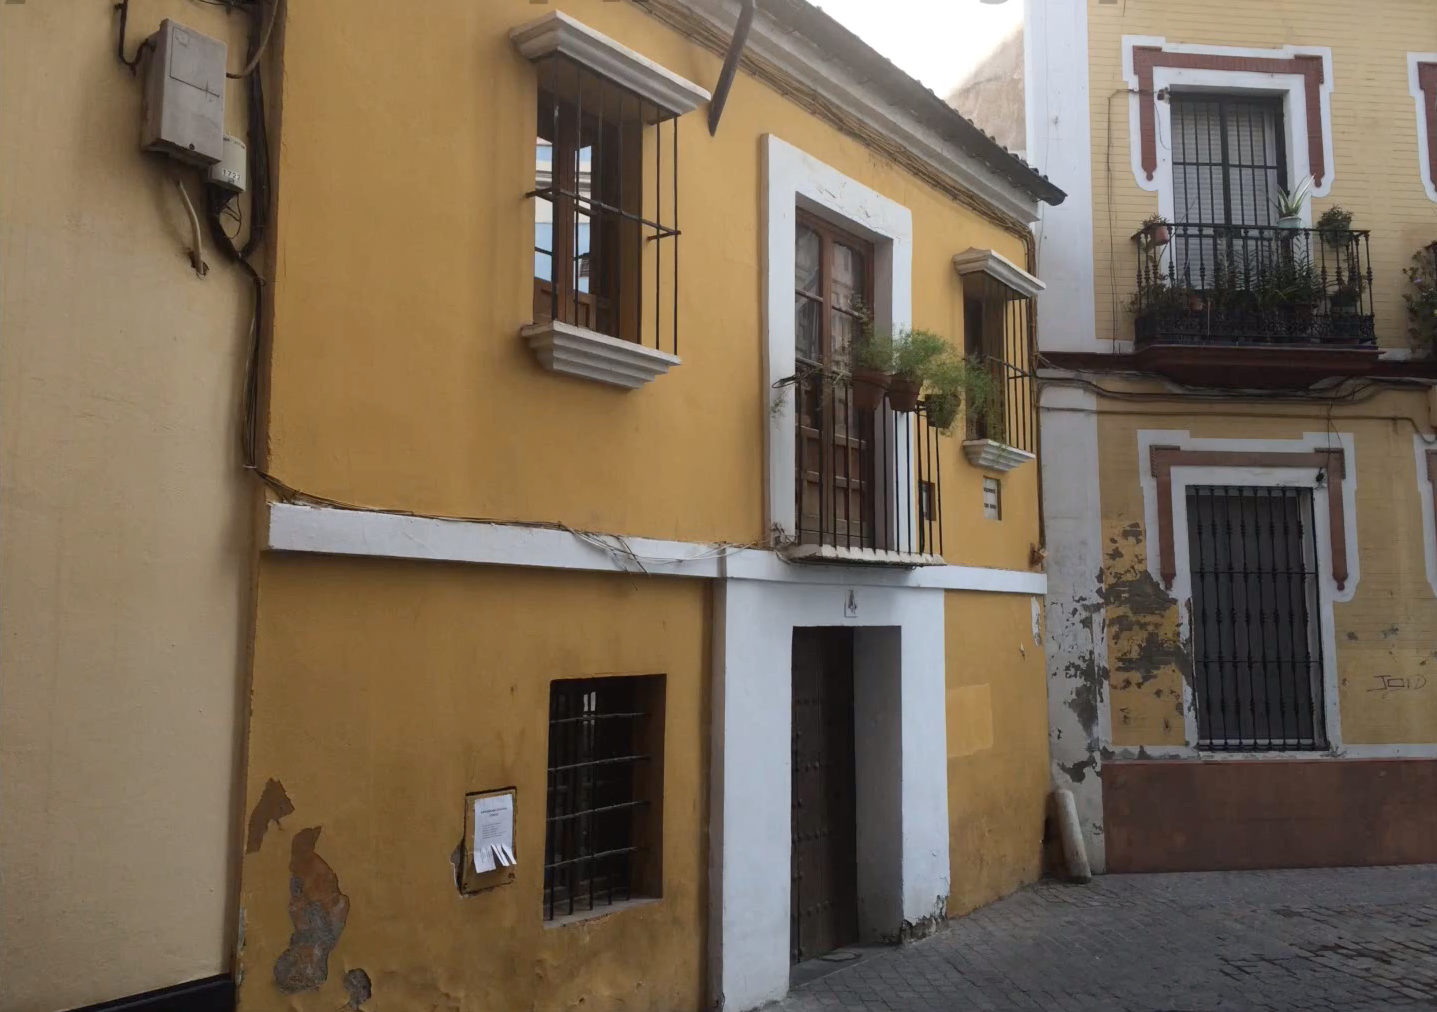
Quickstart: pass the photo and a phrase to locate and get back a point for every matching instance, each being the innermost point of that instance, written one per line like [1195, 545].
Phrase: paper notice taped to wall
[494, 832]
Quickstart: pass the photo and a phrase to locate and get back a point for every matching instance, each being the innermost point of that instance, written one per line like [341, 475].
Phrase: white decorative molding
[1419, 97]
[794, 179]
[575, 351]
[1000, 269]
[1291, 88]
[1422, 446]
[328, 530]
[853, 95]
[859, 556]
[1305, 476]
[557, 33]
[901, 787]
[991, 455]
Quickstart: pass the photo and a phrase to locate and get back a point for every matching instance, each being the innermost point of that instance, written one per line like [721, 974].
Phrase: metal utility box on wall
[184, 106]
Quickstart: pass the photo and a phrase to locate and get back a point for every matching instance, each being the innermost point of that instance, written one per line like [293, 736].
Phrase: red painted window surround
[1146, 58]
[1427, 83]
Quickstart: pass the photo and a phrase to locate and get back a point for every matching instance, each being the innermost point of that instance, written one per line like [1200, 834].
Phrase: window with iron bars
[606, 208]
[602, 840]
[1257, 643]
[996, 338]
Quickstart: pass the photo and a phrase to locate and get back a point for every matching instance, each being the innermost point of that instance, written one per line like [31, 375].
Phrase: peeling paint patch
[1390, 632]
[912, 931]
[273, 805]
[318, 911]
[358, 987]
[1078, 772]
[1352, 636]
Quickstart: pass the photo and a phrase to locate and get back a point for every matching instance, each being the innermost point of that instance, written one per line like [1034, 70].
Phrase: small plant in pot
[1157, 230]
[1290, 204]
[1421, 299]
[872, 370]
[1335, 226]
[915, 354]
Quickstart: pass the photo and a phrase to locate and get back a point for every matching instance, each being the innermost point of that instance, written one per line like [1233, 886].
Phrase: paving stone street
[1341, 939]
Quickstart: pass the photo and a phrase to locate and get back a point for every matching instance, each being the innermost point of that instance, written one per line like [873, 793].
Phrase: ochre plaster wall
[124, 528]
[997, 745]
[384, 692]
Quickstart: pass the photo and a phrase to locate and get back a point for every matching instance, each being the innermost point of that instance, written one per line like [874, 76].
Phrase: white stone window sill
[860, 556]
[991, 455]
[579, 916]
[586, 354]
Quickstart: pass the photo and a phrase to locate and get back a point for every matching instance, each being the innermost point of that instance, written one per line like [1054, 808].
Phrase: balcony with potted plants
[1255, 305]
[868, 475]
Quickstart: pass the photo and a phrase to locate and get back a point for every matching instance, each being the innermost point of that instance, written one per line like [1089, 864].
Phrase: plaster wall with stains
[386, 691]
[1386, 634]
[124, 526]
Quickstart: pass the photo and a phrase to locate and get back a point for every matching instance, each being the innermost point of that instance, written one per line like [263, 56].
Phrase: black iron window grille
[606, 198]
[1257, 643]
[1229, 158]
[604, 792]
[997, 335]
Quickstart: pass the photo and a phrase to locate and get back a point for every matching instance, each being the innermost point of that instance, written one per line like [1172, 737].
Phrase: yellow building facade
[607, 649]
[1243, 607]
[126, 542]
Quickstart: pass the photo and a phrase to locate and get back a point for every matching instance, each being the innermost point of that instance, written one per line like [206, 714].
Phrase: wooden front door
[823, 905]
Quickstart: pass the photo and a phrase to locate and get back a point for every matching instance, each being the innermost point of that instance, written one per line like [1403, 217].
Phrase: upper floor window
[606, 195]
[1229, 161]
[997, 333]
[837, 481]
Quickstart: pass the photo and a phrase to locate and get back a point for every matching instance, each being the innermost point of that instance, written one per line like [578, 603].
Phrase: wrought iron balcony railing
[1253, 285]
[868, 480]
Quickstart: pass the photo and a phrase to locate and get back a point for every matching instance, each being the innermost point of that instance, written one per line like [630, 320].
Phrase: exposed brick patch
[1147, 58]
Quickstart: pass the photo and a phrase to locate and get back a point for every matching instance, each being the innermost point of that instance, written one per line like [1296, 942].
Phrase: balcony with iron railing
[868, 480]
[1253, 305]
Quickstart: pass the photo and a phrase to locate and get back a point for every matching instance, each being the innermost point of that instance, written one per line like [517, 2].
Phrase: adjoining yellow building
[1242, 608]
[612, 646]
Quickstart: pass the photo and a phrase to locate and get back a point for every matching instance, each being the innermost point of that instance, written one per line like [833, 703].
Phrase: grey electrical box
[184, 106]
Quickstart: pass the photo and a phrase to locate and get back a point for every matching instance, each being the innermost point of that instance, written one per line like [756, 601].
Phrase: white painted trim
[858, 556]
[1000, 269]
[1060, 145]
[587, 354]
[1424, 164]
[1292, 477]
[991, 455]
[326, 530]
[852, 95]
[556, 32]
[1188, 753]
[1076, 617]
[1420, 447]
[1291, 87]
[794, 179]
[903, 783]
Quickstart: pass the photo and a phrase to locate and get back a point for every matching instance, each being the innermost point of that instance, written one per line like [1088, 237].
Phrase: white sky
[937, 41]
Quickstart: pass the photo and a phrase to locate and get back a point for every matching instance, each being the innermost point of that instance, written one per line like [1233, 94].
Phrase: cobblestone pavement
[1353, 940]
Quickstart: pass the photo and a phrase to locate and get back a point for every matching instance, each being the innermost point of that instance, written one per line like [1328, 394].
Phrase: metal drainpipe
[730, 63]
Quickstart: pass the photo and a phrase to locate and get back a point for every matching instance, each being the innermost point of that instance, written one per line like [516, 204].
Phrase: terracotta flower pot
[1159, 235]
[903, 393]
[868, 388]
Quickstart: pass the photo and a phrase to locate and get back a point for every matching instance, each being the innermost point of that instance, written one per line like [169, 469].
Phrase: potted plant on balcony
[916, 354]
[1422, 299]
[1289, 291]
[1156, 230]
[872, 370]
[1335, 226]
[1290, 204]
